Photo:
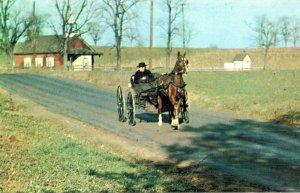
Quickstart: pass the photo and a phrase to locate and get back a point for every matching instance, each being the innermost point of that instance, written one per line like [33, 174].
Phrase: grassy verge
[39, 157]
[261, 95]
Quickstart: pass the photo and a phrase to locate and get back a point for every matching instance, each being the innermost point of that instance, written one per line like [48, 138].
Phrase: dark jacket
[138, 75]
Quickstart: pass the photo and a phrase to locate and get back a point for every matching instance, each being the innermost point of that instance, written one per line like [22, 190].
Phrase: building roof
[240, 57]
[52, 44]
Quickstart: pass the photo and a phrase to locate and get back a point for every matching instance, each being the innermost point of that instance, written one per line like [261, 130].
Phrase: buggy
[143, 95]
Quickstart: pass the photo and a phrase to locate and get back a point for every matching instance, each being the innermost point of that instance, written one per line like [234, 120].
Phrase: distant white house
[240, 62]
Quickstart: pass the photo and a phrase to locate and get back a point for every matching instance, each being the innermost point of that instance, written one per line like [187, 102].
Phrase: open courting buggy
[165, 92]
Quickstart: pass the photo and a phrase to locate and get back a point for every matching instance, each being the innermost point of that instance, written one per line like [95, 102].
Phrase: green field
[261, 95]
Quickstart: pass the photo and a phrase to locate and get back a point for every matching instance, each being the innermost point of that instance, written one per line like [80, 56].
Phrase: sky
[218, 23]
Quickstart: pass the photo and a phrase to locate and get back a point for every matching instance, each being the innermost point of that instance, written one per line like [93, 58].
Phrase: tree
[174, 8]
[184, 37]
[285, 29]
[35, 29]
[13, 26]
[188, 35]
[295, 30]
[74, 15]
[95, 31]
[133, 37]
[117, 16]
[37, 25]
[266, 35]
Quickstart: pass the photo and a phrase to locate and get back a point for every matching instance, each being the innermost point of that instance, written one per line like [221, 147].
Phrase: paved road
[258, 152]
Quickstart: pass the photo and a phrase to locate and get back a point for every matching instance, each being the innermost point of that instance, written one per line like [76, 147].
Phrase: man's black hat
[141, 64]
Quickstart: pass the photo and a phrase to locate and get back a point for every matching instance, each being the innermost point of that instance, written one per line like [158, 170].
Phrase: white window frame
[27, 62]
[50, 62]
[39, 62]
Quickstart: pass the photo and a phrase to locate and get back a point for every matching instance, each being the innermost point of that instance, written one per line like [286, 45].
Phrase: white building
[240, 62]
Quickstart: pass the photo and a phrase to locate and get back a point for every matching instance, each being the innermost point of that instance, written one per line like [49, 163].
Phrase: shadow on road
[258, 152]
[152, 117]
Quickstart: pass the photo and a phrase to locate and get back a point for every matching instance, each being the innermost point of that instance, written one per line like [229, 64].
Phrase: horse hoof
[176, 126]
[175, 123]
[133, 123]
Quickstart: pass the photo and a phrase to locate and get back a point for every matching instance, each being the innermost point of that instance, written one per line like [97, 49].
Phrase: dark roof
[240, 57]
[51, 44]
[44, 44]
[80, 51]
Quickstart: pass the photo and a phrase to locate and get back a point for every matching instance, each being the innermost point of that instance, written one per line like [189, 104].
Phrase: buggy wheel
[131, 109]
[185, 109]
[121, 104]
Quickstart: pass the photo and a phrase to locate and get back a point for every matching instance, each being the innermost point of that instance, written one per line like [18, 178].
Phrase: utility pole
[34, 33]
[151, 33]
[183, 27]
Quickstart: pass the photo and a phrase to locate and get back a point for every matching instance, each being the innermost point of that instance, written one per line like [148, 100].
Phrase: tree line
[93, 17]
[269, 34]
[80, 17]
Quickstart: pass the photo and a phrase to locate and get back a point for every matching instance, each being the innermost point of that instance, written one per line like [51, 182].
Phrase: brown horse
[172, 91]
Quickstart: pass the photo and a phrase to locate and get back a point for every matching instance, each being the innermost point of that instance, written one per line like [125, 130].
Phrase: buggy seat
[145, 86]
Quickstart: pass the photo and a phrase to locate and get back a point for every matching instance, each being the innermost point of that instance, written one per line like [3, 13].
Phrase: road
[258, 152]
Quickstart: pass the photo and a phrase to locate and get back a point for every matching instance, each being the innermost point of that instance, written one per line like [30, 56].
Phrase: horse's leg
[171, 115]
[177, 110]
[173, 102]
[159, 102]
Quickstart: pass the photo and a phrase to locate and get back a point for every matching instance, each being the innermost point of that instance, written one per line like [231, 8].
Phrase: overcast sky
[213, 22]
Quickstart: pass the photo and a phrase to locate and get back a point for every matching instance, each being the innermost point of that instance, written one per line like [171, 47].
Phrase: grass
[271, 95]
[263, 95]
[279, 58]
[39, 157]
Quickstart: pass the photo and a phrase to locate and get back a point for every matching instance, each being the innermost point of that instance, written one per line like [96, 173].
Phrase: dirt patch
[13, 139]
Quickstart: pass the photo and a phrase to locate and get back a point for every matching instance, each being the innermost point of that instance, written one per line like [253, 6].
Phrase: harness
[170, 79]
[163, 87]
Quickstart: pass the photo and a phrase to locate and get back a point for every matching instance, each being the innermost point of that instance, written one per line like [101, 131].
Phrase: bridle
[182, 64]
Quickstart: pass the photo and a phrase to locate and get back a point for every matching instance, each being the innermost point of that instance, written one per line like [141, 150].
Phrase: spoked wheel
[185, 109]
[131, 109]
[121, 105]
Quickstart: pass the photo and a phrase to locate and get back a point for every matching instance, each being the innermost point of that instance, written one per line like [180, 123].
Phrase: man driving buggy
[143, 79]
[142, 74]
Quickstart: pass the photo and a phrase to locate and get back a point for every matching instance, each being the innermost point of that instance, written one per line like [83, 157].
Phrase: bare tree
[266, 35]
[285, 29]
[174, 8]
[187, 34]
[74, 15]
[133, 37]
[38, 23]
[95, 31]
[295, 30]
[184, 38]
[13, 26]
[117, 16]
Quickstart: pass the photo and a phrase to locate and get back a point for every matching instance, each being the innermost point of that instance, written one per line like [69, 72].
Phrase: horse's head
[181, 63]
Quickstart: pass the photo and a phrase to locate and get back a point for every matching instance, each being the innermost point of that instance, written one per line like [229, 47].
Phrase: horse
[172, 90]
